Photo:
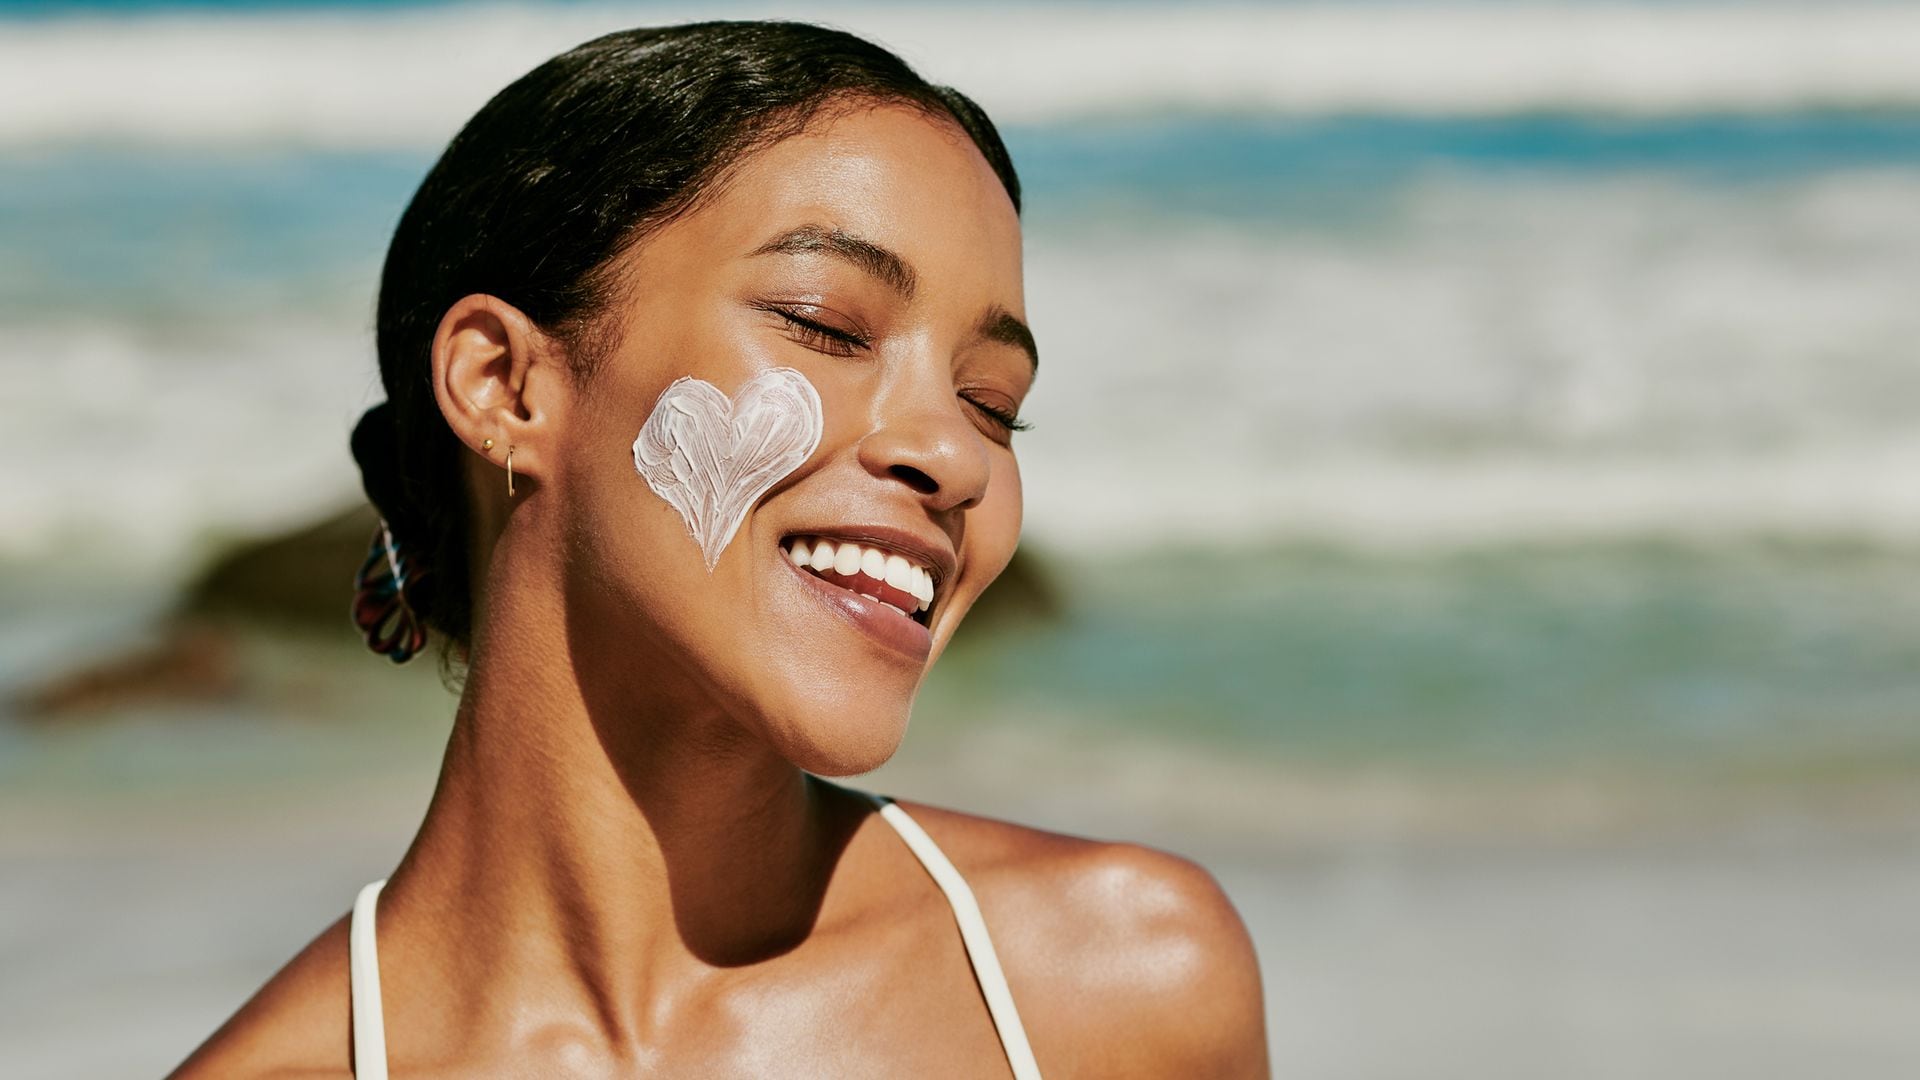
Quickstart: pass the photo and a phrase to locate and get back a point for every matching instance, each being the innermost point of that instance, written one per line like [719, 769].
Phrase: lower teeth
[877, 600]
[869, 596]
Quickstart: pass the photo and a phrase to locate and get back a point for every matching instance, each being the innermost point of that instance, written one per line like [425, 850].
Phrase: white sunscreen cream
[712, 457]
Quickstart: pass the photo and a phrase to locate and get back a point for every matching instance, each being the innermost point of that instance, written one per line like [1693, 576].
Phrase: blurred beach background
[1473, 506]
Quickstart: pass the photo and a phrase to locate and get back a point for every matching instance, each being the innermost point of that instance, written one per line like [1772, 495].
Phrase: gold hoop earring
[509, 470]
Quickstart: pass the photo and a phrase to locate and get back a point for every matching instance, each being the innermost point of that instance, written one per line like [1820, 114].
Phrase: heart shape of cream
[712, 457]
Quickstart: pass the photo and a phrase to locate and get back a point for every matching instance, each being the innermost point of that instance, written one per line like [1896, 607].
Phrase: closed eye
[826, 339]
[1003, 417]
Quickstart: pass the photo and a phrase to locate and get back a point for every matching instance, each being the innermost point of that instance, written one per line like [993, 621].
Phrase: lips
[901, 581]
[865, 587]
[880, 591]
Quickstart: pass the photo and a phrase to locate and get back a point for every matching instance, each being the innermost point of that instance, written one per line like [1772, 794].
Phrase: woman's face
[879, 255]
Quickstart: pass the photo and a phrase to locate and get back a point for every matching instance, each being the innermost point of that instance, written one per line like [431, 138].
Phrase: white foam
[143, 449]
[1575, 359]
[410, 77]
[1863, 493]
[1486, 361]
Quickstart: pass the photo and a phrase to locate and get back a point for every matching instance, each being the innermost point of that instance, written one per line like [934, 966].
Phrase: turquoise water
[148, 232]
[1329, 171]
[1760, 661]
[1758, 658]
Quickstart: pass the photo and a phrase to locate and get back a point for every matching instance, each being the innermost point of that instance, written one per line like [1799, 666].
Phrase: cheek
[994, 530]
[711, 456]
[621, 536]
[622, 540]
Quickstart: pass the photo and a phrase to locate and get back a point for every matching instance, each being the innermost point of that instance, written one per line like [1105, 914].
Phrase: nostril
[915, 479]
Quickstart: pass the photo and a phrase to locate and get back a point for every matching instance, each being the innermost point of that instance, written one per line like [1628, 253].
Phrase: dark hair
[549, 182]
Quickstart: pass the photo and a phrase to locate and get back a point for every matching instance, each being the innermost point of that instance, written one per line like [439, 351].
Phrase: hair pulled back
[550, 181]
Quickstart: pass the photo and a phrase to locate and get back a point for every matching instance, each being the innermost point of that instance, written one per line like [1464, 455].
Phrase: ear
[491, 365]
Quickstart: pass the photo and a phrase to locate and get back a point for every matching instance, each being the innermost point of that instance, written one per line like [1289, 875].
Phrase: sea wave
[1465, 360]
[408, 76]
[1482, 361]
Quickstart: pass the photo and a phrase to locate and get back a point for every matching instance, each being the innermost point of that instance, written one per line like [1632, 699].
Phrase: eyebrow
[999, 324]
[865, 254]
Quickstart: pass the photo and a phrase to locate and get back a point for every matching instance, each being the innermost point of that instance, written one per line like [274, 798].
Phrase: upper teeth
[847, 557]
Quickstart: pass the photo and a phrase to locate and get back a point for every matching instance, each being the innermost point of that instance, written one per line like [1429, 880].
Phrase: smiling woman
[704, 350]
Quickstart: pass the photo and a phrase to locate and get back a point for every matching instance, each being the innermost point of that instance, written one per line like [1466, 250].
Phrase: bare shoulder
[1125, 960]
[295, 1026]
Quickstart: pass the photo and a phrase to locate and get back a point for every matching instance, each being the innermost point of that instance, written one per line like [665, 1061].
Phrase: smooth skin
[626, 868]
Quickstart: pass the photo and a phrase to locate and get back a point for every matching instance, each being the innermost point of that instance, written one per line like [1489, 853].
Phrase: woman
[704, 349]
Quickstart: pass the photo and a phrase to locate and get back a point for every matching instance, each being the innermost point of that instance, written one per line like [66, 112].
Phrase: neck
[632, 852]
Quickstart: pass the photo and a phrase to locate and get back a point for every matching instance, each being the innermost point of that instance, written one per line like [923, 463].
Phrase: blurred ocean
[1477, 389]
[1562, 291]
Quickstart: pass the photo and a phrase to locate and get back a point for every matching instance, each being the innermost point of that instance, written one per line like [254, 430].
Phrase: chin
[847, 741]
[821, 694]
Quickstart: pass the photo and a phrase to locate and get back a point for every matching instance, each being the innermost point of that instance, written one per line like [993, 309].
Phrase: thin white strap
[973, 934]
[363, 972]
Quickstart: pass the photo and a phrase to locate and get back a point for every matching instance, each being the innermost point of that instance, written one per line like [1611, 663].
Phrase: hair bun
[376, 449]
[393, 591]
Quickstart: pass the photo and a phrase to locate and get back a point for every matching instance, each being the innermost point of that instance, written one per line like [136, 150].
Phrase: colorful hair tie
[380, 609]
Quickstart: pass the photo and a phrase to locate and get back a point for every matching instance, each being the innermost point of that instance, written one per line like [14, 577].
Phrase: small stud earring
[509, 470]
[486, 444]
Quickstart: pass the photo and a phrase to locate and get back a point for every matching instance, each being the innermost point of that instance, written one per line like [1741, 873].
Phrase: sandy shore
[1407, 924]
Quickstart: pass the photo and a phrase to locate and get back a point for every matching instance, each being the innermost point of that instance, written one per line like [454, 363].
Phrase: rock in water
[302, 580]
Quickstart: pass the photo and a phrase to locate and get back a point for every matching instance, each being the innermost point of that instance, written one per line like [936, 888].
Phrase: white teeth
[847, 560]
[896, 608]
[899, 573]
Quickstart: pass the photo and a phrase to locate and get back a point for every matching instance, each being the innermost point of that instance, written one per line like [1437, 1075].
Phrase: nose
[934, 450]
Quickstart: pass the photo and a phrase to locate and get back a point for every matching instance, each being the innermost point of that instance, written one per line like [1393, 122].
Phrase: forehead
[889, 173]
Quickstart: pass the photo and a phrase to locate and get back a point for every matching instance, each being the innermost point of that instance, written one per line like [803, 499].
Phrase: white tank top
[363, 964]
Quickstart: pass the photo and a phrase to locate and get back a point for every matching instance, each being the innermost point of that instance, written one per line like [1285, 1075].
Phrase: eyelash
[1000, 416]
[842, 343]
[825, 338]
